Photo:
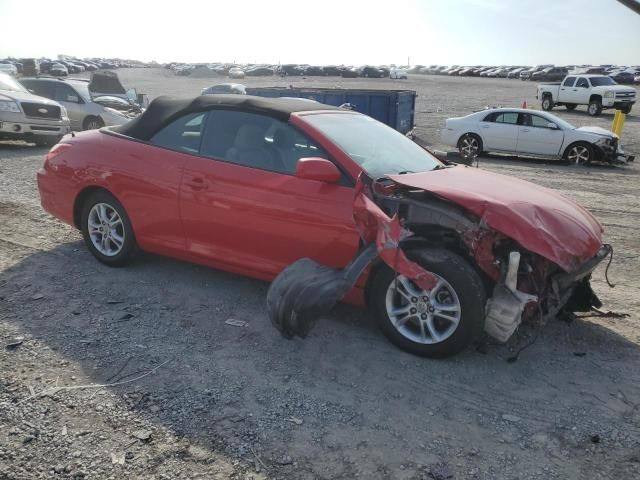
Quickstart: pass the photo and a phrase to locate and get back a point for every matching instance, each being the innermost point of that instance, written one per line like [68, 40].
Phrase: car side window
[568, 82]
[256, 141]
[539, 122]
[42, 89]
[491, 117]
[182, 134]
[582, 83]
[64, 93]
[507, 117]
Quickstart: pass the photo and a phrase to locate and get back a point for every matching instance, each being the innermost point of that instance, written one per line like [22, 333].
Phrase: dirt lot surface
[199, 398]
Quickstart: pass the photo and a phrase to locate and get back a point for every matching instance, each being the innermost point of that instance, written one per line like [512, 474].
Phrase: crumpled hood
[539, 219]
[598, 131]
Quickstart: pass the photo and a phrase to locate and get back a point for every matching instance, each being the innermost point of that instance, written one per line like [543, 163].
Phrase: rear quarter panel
[144, 179]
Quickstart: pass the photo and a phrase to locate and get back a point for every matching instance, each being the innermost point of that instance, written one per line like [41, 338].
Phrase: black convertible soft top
[163, 110]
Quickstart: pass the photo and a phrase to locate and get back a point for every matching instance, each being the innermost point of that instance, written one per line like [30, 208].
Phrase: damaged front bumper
[612, 152]
[571, 291]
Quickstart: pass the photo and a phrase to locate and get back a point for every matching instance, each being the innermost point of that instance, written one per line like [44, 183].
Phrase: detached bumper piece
[306, 290]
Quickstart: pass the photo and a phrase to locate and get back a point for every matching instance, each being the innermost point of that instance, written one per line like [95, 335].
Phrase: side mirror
[552, 126]
[318, 169]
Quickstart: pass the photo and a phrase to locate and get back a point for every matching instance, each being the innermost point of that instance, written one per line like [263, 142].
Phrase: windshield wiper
[404, 172]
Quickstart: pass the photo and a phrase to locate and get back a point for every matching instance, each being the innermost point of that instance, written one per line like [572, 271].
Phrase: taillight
[56, 150]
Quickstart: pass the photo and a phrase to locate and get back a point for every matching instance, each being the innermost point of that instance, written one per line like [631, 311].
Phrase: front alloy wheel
[425, 317]
[469, 146]
[580, 154]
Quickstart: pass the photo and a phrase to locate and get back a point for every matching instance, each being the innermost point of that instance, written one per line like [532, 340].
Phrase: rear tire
[461, 294]
[547, 103]
[107, 230]
[595, 108]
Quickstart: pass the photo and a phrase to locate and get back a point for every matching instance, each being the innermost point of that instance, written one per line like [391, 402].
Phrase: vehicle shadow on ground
[237, 388]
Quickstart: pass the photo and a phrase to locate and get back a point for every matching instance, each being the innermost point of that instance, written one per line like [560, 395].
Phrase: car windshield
[602, 81]
[9, 84]
[83, 89]
[377, 148]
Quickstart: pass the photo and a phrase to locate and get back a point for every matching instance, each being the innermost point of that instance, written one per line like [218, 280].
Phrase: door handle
[562, 89]
[197, 183]
[575, 89]
[486, 126]
[524, 130]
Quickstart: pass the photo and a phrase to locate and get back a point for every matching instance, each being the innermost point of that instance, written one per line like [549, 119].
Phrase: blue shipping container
[395, 108]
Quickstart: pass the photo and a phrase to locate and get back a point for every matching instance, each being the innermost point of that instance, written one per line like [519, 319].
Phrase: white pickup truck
[597, 91]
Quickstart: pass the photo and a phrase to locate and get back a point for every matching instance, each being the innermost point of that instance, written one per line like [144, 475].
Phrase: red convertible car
[250, 185]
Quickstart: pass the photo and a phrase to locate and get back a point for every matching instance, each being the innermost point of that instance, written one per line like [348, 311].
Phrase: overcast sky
[467, 32]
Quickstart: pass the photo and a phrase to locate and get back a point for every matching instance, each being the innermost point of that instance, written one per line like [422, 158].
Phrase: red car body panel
[264, 219]
[541, 220]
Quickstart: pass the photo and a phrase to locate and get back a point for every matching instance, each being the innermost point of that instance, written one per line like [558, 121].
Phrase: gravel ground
[199, 398]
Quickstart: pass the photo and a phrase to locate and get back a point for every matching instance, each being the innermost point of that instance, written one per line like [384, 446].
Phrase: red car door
[147, 180]
[243, 209]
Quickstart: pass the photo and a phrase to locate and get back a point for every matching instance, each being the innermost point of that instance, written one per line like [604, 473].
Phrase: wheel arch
[431, 236]
[595, 96]
[82, 197]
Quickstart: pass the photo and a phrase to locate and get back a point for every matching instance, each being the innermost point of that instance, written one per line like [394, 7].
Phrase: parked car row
[540, 73]
[296, 70]
[63, 66]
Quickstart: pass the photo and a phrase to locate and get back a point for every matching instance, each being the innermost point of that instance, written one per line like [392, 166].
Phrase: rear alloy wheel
[547, 103]
[580, 154]
[433, 323]
[107, 230]
[595, 108]
[470, 146]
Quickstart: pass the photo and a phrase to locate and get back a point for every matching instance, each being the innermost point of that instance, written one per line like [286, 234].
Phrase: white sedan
[398, 73]
[530, 133]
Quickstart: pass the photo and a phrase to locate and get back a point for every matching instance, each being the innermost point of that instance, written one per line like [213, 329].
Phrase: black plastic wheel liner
[306, 290]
